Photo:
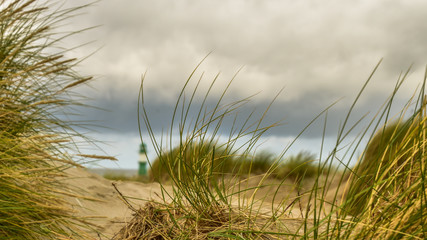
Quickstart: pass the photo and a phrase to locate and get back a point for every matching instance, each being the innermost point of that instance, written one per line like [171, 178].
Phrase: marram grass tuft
[382, 197]
[36, 87]
[387, 189]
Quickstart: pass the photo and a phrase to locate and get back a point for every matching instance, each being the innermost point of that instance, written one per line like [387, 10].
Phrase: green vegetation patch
[197, 159]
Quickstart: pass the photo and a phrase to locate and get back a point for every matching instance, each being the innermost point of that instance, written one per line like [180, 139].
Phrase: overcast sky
[318, 51]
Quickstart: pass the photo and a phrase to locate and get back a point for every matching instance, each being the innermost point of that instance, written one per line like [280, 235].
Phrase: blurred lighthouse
[142, 171]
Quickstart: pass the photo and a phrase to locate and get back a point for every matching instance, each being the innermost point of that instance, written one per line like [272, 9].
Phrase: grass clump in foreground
[389, 154]
[36, 82]
[387, 188]
[201, 205]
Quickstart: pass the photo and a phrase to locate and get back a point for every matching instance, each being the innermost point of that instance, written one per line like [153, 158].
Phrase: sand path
[106, 209]
[104, 206]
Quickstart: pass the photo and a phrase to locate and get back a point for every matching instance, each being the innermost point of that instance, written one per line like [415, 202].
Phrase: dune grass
[36, 143]
[180, 161]
[296, 167]
[387, 187]
[382, 197]
[384, 157]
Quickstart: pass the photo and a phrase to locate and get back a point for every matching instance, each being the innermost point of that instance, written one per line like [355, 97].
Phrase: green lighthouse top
[143, 148]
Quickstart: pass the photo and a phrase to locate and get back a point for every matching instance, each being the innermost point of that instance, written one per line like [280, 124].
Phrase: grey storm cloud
[318, 51]
[121, 115]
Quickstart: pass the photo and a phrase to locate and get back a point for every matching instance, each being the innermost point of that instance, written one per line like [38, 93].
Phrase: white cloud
[302, 45]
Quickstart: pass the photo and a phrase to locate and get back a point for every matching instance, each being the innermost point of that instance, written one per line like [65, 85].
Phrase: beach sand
[105, 208]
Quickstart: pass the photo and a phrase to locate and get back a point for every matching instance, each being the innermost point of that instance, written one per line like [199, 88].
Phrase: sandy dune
[105, 208]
